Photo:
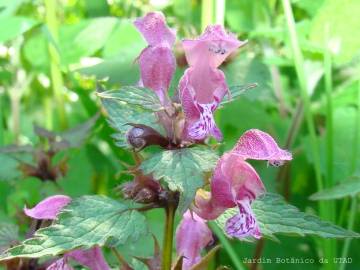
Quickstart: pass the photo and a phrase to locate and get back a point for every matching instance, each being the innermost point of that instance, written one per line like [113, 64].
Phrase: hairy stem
[170, 210]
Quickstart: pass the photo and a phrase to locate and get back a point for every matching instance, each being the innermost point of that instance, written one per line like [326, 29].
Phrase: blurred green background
[52, 52]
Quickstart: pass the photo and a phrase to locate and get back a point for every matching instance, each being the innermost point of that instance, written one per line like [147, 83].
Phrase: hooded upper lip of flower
[203, 86]
[49, 208]
[192, 235]
[157, 62]
[236, 183]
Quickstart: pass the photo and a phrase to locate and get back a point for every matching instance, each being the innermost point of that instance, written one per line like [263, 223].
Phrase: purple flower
[203, 86]
[157, 62]
[49, 208]
[192, 235]
[256, 144]
[235, 183]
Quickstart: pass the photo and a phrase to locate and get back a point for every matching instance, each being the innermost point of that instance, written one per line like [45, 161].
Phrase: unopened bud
[141, 136]
[142, 189]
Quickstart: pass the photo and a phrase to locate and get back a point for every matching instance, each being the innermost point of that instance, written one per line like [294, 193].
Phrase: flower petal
[157, 66]
[154, 29]
[211, 48]
[205, 207]
[60, 264]
[244, 223]
[48, 208]
[256, 144]
[233, 180]
[199, 99]
[192, 236]
[91, 258]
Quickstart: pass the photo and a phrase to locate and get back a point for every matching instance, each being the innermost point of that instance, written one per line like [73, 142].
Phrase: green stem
[220, 11]
[168, 235]
[2, 129]
[357, 134]
[331, 206]
[227, 246]
[329, 114]
[325, 211]
[350, 226]
[207, 13]
[55, 71]
[356, 144]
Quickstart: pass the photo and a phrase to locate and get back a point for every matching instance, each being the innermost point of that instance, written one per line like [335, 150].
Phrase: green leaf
[77, 135]
[348, 188]
[120, 114]
[274, 216]
[143, 97]
[247, 70]
[14, 26]
[9, 167]
[342, 18]
[85, 222]
[182, 170]
[236, 91]
[9, 234]
[119, 53]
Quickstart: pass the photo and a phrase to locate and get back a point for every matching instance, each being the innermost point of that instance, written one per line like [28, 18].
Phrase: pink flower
[256, 144]
[203, 86]
[192, 235]
[235, 183]
[49, 208]
[157, 62]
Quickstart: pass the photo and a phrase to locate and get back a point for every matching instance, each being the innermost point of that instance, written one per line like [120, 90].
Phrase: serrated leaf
[70, 138]
[182, 170]
[9, 234]
[348, 188]
[143, 97]
[77, 135]
[236, 91]
[120, 114]
[85, 222]
[275, 216]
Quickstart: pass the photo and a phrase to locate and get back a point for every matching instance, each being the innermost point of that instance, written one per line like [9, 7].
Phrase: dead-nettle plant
[185, 176]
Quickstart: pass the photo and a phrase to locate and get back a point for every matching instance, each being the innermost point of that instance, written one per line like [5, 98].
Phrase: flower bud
[142, 189]
[141, 136]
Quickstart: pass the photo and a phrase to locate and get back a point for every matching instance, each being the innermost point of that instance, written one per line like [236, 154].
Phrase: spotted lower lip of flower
[199, 101]
[243, 224]
[192, 235]
[256, 144]
[157, 62]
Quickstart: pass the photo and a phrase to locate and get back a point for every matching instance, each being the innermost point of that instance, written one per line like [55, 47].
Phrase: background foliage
[52, 52]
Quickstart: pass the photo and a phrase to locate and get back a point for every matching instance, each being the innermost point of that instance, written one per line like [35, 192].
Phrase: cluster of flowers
[235, 183]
